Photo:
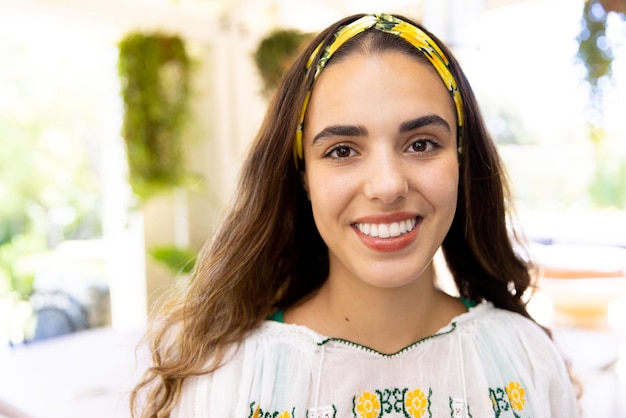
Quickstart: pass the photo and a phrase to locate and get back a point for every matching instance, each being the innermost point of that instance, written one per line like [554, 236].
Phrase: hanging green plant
[594, 50]
[275, 54]
[154, 71]
[179, 260]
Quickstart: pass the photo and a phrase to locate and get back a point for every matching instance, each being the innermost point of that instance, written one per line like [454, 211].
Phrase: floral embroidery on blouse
[516, 394]
[327, 411]
[459, 408]
[368, 405]
[412, 404]
[416, 403]
[260, 413]
[510, 398]
[507, 401]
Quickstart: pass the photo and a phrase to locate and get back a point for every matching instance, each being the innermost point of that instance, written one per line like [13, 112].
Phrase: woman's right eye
[340, 152]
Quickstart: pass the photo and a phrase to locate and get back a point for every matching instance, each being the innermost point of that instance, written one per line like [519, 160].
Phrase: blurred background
[123, 124]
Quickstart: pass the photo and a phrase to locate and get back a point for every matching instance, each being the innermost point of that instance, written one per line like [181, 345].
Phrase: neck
[384, 319]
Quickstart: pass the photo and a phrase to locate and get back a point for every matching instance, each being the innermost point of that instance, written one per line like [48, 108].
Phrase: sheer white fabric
[486, 363]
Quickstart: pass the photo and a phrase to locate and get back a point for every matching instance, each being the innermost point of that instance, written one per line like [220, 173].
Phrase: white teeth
[392, 230]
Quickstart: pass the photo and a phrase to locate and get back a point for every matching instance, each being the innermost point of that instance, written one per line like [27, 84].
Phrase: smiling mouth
[390, 230]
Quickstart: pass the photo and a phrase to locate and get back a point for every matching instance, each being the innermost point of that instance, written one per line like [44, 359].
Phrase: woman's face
[381, 166]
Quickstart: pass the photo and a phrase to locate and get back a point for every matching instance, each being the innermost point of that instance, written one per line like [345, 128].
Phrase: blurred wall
[227, 109]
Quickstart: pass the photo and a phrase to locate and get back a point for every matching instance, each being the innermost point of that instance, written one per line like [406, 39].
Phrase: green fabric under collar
[278, 315]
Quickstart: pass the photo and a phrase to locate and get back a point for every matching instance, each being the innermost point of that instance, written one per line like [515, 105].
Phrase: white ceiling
[201, 19]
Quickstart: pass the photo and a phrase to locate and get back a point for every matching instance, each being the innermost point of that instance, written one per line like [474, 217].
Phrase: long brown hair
[268, 255]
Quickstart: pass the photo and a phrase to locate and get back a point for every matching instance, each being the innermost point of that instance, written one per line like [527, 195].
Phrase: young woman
[317, 296]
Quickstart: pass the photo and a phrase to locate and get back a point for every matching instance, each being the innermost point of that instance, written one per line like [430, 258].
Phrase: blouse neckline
[323, 340]
[448, 329]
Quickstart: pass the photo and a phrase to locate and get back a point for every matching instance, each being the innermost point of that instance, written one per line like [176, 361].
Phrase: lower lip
[388, 245]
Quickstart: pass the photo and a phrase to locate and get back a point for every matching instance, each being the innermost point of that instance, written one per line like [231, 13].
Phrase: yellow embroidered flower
[416, 403]
[368, 405]
[285, 414]
[257, 412]
[516, 394]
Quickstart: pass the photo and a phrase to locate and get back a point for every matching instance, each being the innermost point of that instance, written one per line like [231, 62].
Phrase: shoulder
[267, 347]
[505, 340]
[506, 336]
[281, 333]
[487, 318]
[503, 335]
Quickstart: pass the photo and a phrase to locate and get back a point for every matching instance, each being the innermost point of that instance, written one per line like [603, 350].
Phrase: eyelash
[331, 153]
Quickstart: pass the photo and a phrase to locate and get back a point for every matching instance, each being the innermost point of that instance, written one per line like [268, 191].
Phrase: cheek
[329, 196]
[325, 198]
[441, 187]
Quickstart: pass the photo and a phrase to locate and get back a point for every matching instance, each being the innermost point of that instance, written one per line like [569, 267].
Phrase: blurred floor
[84, 374]
[582, 298]
[594, 357]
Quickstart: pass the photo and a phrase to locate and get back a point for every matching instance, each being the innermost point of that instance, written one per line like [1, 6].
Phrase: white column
[124, 243]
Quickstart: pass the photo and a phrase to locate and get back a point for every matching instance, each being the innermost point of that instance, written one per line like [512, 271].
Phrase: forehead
[363, 85]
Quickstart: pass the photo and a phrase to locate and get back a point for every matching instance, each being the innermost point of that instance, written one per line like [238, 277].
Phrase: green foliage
[607, 187]
[608, 183]
[19, 261]
[177, 259]
[593, 47]
[595, 52]
[155, 71]
[50, 118]
[275, 54]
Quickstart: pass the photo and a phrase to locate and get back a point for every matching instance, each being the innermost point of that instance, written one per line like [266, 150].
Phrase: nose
[385, 178]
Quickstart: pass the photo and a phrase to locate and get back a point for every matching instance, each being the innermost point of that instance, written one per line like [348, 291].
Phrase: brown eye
[423, 146]
[342, 152]
[420, 146]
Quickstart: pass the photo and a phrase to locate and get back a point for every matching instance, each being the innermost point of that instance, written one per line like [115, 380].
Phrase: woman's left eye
[423, 145]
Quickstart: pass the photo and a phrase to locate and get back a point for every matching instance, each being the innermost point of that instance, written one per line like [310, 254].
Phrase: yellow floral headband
[389, 24]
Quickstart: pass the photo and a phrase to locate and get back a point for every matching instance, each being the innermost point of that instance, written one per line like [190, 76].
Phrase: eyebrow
[340, 130]
[359, 130]
[424, 121]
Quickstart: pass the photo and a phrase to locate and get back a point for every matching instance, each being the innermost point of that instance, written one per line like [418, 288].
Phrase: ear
[305, 183]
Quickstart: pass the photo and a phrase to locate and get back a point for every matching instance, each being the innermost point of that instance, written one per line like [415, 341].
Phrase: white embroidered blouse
[487, 362]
